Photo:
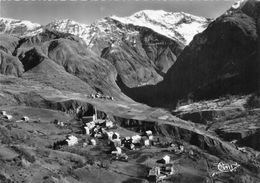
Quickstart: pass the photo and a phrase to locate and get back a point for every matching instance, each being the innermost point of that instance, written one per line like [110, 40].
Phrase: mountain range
[148, 48]
[149, 54]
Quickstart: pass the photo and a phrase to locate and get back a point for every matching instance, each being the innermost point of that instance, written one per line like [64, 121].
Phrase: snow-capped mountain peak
[181, 26]
[168, 17]
[19, 27]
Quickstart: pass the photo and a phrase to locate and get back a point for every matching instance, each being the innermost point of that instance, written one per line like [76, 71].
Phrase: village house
[91, 116]
[93, 142]
[25, 118]
[117, 151]
[127, 138]
[109, 124]
[136, 139]
[181, 148]
[7, 116]
[61, 124]
[242, 149]
[149, 133]
[72, 140]
[87, 130]
[109, 135]
[167, 169]
[145, 141]
[85, 144]
[150, 138]
[166, 159]
[154, 174]
[90, 125]
[157, 174]
[132, 146]
[3, 113]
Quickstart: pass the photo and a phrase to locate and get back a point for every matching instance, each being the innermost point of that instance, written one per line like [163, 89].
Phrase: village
[105, 130]
[119, 143]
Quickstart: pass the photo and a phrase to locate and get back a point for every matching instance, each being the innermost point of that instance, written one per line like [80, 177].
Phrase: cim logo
[225, 167]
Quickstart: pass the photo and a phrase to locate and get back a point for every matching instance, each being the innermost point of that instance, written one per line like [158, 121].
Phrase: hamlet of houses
[100, 96]
[96, 129]
[6, 116]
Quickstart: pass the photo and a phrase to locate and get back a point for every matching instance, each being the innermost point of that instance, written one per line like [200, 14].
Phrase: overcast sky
[88, 11]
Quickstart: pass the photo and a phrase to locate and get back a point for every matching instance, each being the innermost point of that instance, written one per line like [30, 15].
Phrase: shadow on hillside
[152, 95]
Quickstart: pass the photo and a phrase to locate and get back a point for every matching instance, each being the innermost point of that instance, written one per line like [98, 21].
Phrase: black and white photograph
[129, 91]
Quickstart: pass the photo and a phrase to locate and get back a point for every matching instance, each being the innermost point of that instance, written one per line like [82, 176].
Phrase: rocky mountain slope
[225, 55]
[223, 59]
[59, 60]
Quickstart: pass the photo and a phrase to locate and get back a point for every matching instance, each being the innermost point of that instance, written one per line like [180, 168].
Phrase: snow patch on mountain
[84, 31]
[69, 26]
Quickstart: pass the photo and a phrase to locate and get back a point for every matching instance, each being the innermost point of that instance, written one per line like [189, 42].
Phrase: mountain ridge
[83, 29]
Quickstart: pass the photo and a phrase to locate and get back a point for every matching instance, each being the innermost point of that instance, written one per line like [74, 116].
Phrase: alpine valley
[193, 82]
